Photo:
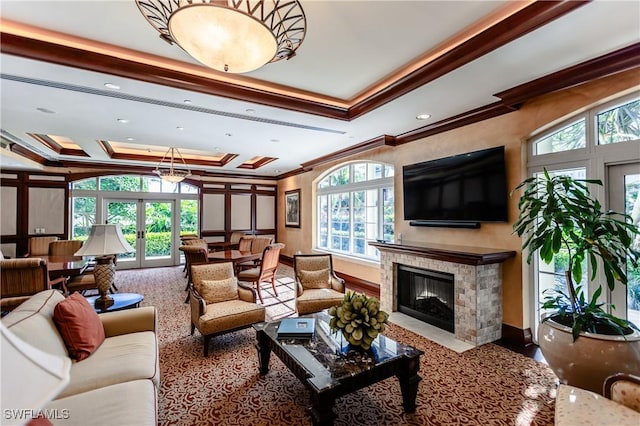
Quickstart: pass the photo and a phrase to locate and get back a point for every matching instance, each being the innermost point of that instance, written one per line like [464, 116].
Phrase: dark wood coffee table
[120, 301]
[329, 372]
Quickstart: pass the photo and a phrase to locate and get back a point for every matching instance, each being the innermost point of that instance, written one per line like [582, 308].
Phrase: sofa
[117, 384]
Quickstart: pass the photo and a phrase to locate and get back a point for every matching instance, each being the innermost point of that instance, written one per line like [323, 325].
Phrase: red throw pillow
[79, 325]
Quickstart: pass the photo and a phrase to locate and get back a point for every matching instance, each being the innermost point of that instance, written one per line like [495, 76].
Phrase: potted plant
[359, 318]
[558, 214]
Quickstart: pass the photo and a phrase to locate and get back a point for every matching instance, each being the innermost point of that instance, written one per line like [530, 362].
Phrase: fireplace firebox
[427, 295]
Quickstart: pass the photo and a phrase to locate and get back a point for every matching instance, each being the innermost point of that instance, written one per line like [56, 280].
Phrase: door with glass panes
[147, 226]
[624, 196]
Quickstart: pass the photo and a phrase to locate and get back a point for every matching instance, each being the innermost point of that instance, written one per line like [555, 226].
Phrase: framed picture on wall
[292, 208]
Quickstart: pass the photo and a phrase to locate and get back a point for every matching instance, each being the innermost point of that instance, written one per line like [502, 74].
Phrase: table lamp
[105, 242]
[30, 377]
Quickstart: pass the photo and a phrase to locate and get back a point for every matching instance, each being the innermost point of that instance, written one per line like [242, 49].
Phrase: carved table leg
[264, 351]
[409, 379]
[321, 410]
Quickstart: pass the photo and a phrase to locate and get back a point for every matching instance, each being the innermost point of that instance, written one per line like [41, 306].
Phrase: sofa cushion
[230, 315]
[315, 300]
[130, 403]
[119, 359]
[215, 291]
[32, 322]
[79, 326]
[315, 279]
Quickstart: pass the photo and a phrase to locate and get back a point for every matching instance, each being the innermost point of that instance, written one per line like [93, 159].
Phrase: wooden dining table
[234, 256]
[221, 245]
[65, 266]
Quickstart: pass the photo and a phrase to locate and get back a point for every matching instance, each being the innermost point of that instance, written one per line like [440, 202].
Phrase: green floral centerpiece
[359, 318]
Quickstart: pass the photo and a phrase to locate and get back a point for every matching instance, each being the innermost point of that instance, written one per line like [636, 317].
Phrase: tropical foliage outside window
[85, 196]
[619, 124]
[355, 204]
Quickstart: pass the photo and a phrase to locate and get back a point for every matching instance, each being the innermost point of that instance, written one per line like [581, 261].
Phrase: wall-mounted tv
[469, 187]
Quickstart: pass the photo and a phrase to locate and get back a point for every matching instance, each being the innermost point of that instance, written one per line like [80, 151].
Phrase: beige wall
[510, 130]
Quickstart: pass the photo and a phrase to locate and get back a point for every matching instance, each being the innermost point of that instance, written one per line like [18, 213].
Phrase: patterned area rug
[488, 385]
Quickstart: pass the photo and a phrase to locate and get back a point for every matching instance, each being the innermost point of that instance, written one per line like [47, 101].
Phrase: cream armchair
[219, 304]
[318, 287]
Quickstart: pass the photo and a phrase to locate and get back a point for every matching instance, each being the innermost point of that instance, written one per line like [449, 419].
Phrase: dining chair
[266, 271]
[244, 244]
[64, 247]
[39, 246]
[194, 255]
[22, 278]
[258, 245]
[317, 285]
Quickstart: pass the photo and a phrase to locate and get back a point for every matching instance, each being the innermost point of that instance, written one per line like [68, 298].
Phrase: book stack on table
[297, 328]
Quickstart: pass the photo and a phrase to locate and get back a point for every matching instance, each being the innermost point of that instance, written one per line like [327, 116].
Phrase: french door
[624, 196]
[148, 226]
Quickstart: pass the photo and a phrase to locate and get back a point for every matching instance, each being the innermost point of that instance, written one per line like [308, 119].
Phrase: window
[590, 145]
[355, 204]
[619, 124]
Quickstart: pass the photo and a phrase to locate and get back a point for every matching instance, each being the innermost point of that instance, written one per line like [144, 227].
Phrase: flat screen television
[469, 187]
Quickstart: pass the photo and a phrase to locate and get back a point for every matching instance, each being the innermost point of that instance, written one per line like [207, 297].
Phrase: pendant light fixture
[235, 36]
[166, 167]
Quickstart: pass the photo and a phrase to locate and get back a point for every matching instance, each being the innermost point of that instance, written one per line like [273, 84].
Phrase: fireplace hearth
[427, 295]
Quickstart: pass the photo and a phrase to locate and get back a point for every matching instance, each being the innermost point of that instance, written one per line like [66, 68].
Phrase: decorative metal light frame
[167, 171]
[277, 27]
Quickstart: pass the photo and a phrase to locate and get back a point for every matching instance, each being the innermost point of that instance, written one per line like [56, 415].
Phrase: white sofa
[117, 384]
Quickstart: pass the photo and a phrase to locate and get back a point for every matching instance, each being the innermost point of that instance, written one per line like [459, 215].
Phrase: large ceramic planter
[586, 362]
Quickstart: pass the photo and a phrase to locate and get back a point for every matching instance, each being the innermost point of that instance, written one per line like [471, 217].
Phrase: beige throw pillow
[315, 279]
[215, 291]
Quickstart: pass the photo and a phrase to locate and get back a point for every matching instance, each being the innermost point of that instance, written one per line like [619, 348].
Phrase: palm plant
[556, 213]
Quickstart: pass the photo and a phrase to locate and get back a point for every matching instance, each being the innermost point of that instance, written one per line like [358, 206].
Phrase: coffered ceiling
[90, 84]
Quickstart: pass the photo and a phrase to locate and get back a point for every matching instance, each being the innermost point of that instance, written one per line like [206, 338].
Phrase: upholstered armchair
[39, 246]
[623, 389]
[219, 304]
[64, 247]
[318, 287]
[266, 271]
[22, 278]
[244, 243]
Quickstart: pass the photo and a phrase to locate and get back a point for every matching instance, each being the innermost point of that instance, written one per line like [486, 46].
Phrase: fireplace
[427, 295]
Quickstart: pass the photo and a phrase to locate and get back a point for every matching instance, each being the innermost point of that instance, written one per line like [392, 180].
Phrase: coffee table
[324, 366]
[120, 301]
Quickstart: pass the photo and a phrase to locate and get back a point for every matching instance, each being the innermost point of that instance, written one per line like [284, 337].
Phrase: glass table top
[326, 356]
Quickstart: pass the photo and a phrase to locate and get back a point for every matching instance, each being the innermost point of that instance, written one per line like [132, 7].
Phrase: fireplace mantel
[448, 253]
[477, 282]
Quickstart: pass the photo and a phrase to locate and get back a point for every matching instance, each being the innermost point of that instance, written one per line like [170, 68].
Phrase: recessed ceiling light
[187, 101]
[179, 128]
[46, 111]
[423, 116]
[123, 120]
[216, 148]
[277, 171]
[228, 134]
[250, 111]
[131, 139]
[112, 86]
[275, 140]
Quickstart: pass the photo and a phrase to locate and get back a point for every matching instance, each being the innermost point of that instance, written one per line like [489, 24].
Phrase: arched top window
[355, 204]
[133, 183]
[612, 123]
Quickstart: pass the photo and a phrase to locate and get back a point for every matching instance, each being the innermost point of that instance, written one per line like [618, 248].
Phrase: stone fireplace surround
[477, 283]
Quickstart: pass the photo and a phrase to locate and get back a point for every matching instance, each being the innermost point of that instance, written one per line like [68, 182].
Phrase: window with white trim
[587, 145]
[355, 204]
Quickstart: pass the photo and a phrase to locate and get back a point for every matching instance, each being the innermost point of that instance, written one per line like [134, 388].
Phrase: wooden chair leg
[207, 339]
[114, 287]
[193, 328]
[188, 296]
[258, 290]
[273, 285]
